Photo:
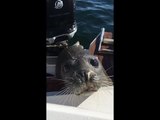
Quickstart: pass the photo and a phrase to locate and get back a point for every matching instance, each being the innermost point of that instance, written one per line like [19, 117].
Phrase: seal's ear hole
[69, 64]
[66, 68]
[93, 62]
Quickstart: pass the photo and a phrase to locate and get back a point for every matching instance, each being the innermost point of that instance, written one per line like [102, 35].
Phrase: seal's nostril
[86, 76]
[83, 75]
[91, 87]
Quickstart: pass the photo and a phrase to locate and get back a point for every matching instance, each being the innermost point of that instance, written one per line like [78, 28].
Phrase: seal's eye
[93, 62]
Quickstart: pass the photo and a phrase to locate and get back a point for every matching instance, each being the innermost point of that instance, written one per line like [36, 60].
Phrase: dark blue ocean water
[91, 16]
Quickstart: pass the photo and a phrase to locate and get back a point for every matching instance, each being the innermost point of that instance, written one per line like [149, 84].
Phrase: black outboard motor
[61, 26]
[61, 23]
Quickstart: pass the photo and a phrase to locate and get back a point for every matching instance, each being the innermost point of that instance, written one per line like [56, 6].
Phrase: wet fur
[79, 75]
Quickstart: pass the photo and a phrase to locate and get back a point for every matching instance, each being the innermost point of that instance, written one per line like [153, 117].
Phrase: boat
[61, 27]
[101, 46]
[87, 107]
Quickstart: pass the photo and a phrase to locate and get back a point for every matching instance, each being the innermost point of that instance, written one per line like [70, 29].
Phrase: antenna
[101, 38]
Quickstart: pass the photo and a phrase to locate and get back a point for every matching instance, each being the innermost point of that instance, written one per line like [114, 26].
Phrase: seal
[80, 71]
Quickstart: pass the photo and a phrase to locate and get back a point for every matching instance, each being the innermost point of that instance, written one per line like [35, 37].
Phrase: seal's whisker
[68, 84]
[106, 84]
[72, 100]
[68, 78]
[109, 68]
[69, 90]
[105, 77]
[66, 91]
[63, 91]
[106, 80]
[66, 97]
[59, 99]
[111, 76]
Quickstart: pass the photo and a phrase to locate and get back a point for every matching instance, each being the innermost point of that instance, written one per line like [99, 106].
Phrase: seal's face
[80, 71]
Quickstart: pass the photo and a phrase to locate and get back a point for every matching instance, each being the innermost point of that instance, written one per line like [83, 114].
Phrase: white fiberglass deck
[97, 106]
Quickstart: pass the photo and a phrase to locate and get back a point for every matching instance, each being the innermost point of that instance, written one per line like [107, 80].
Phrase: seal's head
[80, 71]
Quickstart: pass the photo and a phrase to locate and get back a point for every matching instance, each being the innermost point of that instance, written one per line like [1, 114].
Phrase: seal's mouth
[79, 91]
[83, 81]
[86, 82]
